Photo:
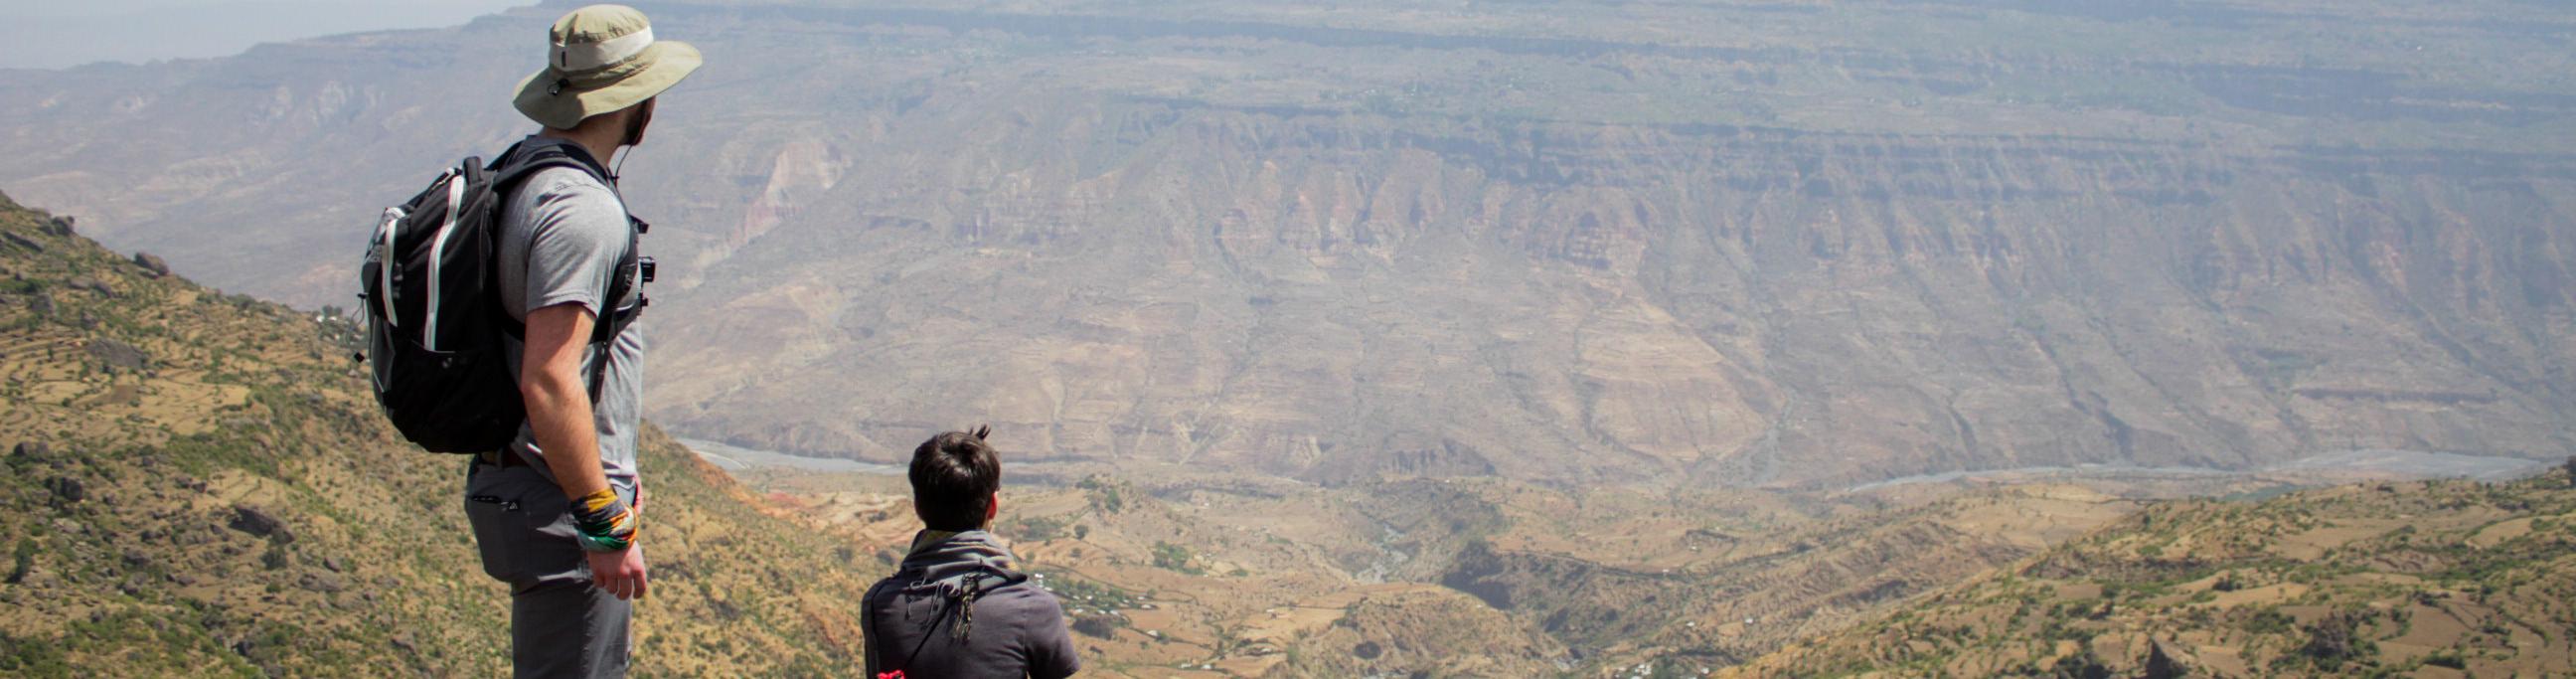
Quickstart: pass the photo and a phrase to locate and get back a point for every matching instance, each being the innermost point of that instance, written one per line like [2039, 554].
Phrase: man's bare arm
[558, 398]
[558, 401]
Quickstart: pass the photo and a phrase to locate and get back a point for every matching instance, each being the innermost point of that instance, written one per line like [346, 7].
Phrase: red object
[897, 674]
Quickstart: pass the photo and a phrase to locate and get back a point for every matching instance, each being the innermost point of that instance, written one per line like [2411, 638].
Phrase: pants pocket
[550, 550]
[500, 528]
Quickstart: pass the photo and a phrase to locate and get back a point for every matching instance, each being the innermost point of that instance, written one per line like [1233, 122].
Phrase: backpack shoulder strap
[535, 154]
[539, 153]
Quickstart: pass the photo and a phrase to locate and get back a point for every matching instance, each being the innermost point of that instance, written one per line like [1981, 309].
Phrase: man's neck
[600, 141]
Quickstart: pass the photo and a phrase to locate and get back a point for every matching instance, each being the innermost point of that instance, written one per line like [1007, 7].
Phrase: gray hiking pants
[560, 626]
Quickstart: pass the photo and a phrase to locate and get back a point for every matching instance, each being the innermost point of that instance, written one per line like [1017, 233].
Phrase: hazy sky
[60, 33]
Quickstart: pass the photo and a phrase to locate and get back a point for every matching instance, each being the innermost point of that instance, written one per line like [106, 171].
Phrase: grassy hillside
[2435, 579]
[198, 484]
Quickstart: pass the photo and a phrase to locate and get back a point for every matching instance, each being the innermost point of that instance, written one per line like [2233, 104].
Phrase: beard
[634, 134]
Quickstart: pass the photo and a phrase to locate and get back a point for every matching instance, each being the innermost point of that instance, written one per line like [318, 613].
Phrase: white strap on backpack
[438, 253]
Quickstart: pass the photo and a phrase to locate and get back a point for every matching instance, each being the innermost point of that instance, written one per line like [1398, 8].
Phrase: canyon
[1736, 244]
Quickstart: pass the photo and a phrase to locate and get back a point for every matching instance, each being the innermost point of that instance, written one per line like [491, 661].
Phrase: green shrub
[1173, 557]
[32, 658]
[23, 561]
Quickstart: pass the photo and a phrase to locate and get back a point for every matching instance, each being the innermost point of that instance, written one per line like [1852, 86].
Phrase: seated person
[956, 608]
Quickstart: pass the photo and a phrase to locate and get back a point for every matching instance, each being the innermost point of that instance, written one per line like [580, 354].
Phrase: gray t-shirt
[562, 234]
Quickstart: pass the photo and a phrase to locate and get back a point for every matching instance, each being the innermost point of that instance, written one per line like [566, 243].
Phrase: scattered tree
[2161, 665]
[2335, 641]
[2083, 665]
[24, 561]
[1173, 557]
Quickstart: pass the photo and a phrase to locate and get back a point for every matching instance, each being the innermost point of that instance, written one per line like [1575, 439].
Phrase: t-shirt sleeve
[1051, 654]
[578, 233]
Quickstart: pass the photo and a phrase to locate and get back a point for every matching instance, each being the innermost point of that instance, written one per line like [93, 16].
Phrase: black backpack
[431, 289]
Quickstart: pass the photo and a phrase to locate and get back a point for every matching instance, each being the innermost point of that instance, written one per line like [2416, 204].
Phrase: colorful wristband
[603, 522]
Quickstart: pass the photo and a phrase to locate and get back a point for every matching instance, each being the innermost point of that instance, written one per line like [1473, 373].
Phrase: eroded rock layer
[1723, 243]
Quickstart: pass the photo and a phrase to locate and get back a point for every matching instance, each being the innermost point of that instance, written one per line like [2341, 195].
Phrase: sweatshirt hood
[954, 564]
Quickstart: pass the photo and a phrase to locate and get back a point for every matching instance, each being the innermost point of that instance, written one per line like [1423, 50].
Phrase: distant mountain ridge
[1727, 243]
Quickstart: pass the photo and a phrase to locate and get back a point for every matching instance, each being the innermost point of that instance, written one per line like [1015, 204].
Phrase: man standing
[555, 513]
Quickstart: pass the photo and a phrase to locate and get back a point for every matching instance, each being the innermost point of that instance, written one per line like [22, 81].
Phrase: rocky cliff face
[1786, 246]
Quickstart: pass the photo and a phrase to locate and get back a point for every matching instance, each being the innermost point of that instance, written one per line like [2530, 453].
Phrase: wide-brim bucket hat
[602, 59]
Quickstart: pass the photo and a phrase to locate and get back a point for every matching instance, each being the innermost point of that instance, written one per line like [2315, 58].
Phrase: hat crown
[600, 59]
[597, 24]
[596, 37]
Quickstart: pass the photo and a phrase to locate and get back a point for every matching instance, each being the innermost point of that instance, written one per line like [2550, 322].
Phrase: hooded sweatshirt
[957, 608]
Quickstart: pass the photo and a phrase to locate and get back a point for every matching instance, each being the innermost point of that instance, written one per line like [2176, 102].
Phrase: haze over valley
[1794, 245]
[1977, 337]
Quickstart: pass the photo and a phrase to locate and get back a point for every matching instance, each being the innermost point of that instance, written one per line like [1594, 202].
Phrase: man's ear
[981, 431]
[992, 507]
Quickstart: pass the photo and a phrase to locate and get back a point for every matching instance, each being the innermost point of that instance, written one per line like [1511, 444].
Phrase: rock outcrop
[152, 265]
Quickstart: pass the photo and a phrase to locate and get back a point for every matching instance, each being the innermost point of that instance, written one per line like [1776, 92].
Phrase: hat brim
[666, 63]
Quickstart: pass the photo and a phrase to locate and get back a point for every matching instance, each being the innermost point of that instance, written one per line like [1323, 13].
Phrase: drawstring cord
[966, 609]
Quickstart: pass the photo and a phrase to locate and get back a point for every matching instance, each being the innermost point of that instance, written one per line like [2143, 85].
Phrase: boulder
[152, 265]
[321, 582]
[23, 241]
[259, 522]
[59, 226]
[67, 490]
[90, 284]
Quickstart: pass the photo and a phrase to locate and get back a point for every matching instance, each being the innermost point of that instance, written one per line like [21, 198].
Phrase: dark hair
[953, 474]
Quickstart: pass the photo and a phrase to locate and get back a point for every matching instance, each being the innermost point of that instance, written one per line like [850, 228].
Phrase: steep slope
[2432, 579]
[1711, 584]
[1725, 242]
[198, 485]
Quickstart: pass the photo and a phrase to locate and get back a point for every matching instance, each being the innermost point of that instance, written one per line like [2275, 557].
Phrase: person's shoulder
[567, 182]
[880, 585]
[563, 199]
[1027, 596]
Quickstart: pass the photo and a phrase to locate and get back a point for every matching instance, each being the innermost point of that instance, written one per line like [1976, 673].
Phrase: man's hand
[620, 573]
